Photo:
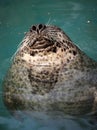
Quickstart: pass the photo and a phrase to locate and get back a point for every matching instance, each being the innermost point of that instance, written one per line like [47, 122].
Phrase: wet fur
[50, 73]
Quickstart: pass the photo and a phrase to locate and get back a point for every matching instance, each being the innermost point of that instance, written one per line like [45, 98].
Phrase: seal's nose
[38, 28]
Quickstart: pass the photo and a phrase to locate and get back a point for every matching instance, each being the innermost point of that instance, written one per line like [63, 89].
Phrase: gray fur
[50, 73]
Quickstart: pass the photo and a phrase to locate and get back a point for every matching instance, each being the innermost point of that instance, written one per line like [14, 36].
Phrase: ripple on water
[42, 121]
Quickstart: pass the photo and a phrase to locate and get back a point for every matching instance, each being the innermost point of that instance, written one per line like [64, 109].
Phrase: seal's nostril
[34, 28]
[40, 26]
[44, 27]
[37, 28]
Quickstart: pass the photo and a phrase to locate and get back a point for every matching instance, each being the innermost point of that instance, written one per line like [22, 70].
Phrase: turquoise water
[78, 18]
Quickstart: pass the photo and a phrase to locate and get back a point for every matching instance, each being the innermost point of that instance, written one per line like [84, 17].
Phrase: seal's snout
[38, 28]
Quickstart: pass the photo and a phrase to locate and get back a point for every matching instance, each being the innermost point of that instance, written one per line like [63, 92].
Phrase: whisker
[18, 48]
[48, 21]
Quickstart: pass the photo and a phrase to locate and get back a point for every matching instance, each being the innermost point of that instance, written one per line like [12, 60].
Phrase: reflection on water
[77, 18]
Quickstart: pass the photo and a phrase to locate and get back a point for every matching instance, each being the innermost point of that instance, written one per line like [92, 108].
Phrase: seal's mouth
[41, 43]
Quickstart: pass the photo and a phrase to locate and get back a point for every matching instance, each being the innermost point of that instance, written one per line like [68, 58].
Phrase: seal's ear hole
[34, 28]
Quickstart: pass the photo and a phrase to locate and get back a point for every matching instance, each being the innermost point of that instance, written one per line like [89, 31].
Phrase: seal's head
[45, 38]
[46, 51]
[49, 72]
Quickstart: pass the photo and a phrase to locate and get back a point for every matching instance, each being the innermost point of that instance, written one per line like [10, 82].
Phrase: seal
[50, 73]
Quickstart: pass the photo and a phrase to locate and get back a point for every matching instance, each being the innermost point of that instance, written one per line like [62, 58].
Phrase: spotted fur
[50, 73]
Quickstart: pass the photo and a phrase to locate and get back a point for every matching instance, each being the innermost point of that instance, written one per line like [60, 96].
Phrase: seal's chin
[44, 59]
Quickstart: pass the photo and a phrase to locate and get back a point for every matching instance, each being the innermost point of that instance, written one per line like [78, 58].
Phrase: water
[77, 18]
